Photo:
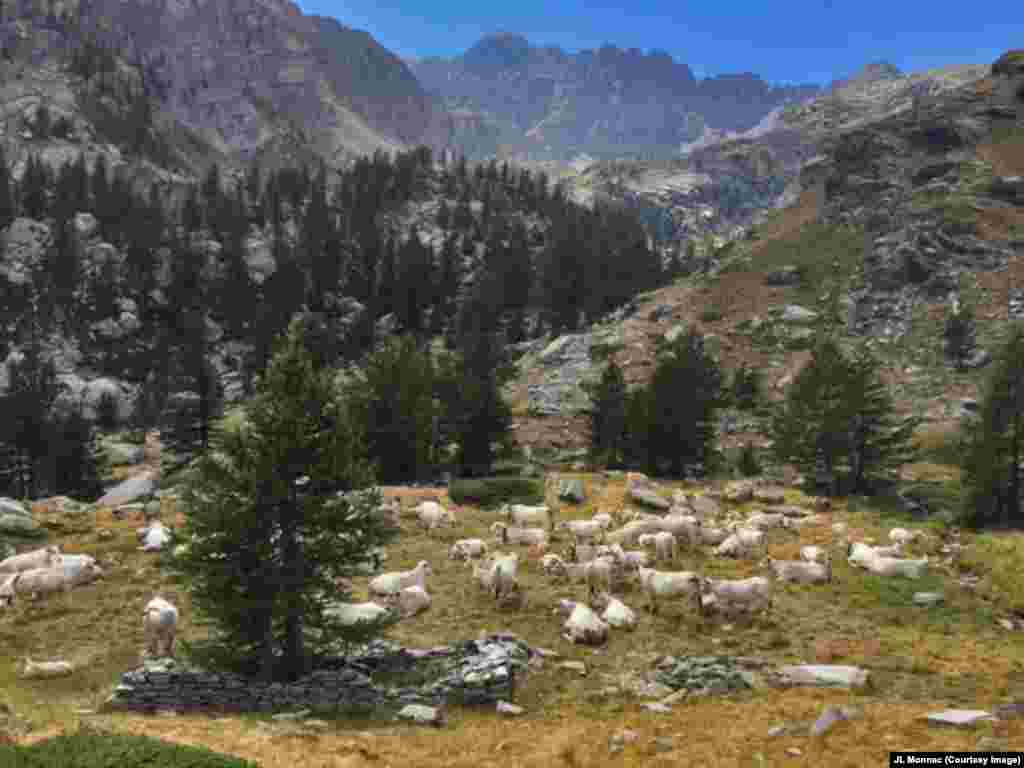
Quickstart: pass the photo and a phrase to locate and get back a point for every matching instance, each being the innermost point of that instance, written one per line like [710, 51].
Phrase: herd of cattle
[596, 555]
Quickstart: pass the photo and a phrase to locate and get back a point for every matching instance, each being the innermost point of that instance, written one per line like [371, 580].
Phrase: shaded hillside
[897, 215]
[236, 71]
[544, 103]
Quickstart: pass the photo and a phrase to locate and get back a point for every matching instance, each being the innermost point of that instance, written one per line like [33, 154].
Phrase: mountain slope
[236, 71]
[544, 103]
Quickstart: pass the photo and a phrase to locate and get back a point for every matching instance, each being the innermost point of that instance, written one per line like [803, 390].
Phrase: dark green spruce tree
[286, 489]
[994, 442]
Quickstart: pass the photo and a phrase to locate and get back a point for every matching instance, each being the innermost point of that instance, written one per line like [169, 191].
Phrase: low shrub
[101, 750]
[491, 491]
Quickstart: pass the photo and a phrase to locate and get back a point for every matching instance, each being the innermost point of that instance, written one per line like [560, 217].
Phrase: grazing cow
[159, 622]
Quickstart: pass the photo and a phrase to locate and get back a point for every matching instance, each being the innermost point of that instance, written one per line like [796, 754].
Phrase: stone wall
[382, 678]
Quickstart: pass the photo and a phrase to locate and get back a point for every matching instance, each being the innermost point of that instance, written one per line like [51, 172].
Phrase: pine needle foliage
[994, 442]
[838, 421]
[276, 513]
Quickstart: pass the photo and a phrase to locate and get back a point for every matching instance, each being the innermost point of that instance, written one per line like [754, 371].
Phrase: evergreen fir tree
[809, 429]
[476, 410]
[686, 393]
[607, 414]
[286, 479]
[994, 442]
[26, 413]
[959, 334]
[33, 189]
[7, 207]
[393, 396]
[79, 463]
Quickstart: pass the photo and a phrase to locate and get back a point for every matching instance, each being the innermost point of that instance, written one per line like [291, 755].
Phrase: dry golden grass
[921, 660]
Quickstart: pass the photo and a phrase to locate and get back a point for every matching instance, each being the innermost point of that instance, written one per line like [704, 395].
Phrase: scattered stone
[505, 708]
[824, 675]
[647, 496]
[964, 718]
[657, 707]
[9, 506]
[571, 490]
[574, 666]
[104, 534]
[794, 751]
[769, 495]
[547, 653]
[663, 744]
[286, 716]
[794, 313]
[928, 598]
[421, 714]
[978, 359]
[619, 740]
[788, 275]
[131, 489]
[830, 717]
[121, 454]
[674, 698]
[710, 674]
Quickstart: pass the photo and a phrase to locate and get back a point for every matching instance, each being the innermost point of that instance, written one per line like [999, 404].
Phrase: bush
[711, 315]
[96, 750]
[747, 462]
[491, 491]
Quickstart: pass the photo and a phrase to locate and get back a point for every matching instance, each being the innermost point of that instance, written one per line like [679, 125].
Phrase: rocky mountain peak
[496, 52]
[870, 73]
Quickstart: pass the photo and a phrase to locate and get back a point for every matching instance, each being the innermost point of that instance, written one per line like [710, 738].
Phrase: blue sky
[781, 40]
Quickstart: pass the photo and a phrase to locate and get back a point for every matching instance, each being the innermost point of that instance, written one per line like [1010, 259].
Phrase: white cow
[47, 557]
[432, 515]
[396, 581]
[351, 614]
[45, 581]
[661, 584]
[155, 536]
[410, 601]
[159, 622]
[467, 549]
[614, 612]
[496, 572]
[46, 669]
[583, 625]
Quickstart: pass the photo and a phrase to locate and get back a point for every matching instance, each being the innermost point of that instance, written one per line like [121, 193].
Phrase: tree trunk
[292, 569]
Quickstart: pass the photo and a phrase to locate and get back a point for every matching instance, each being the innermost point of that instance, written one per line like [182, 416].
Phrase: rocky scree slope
[239, 72]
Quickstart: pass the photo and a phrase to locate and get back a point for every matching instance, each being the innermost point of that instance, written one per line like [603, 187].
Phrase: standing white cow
[159, 621]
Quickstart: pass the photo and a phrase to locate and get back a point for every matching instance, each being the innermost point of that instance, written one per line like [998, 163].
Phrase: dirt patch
[998, 286]
[790, 221]
[1007, 157]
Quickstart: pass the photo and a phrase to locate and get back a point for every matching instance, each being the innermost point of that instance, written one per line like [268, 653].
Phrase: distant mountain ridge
[240, 71]
[545, 103]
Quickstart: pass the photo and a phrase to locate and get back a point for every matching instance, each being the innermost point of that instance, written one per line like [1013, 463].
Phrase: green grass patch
[1000, 558]
[488, 492]
[94, 750]
[823, 253]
